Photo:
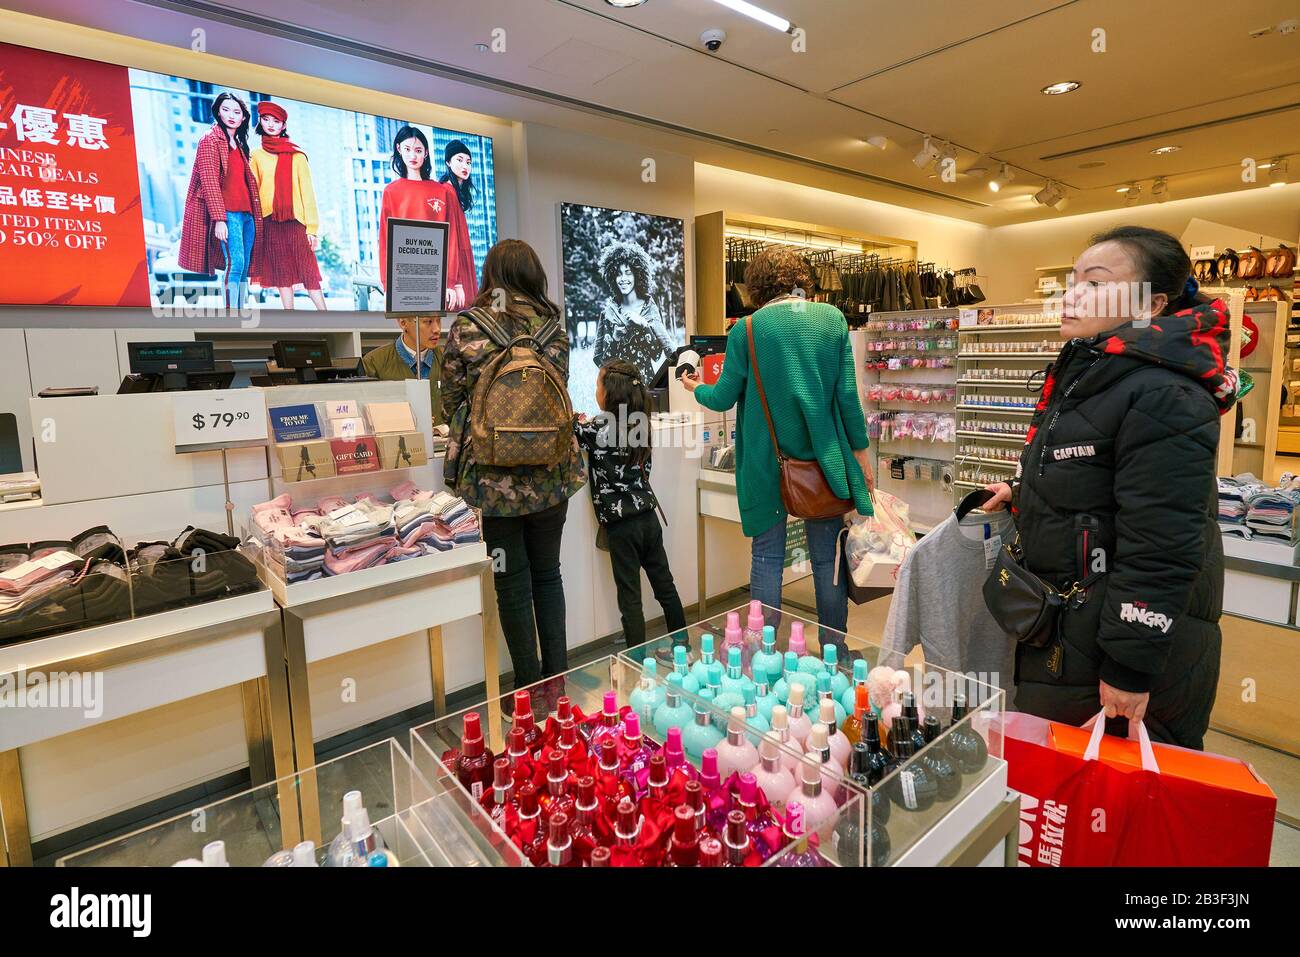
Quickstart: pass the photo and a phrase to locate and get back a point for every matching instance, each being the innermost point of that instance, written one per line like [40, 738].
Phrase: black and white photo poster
[624, 292]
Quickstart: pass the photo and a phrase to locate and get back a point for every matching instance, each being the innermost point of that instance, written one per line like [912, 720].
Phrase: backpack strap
[484, 319]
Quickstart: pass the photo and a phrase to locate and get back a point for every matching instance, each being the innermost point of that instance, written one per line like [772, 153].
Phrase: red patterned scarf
[283, 149]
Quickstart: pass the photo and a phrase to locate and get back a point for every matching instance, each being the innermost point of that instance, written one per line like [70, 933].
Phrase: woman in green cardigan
[806, 363]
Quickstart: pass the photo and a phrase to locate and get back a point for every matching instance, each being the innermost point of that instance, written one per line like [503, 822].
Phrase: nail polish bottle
[791, 750]
[767, 659]
[732, 637]
[939, 761]
[521, 759]
[808, 664]
[474, 765]
[609, 773]
[609, 725]
[735, 752]
[734, 680]
[700, 670]
[710, 778]
[634, 754]
[824, 693]
[684, 846]
[675, 756]
[657, 777]
[839, 743]
[839, 680]
[801, 853]
[556, 799]
[800, 723]
[530, 831]
[689, 682]
[736, 840]
[599, 857]
[711, 852]
[816, 800]
[585, 811]
[523, 718]
[819, 747]
[771, 774]
[853, 724]
[752, 717]
[559, 845]
[754, 623]
[502, 796]
[674, 712]
[913, 788]
[649, 694]
[763, 695]
[757, 824]
[965, 744]
[701, 733]
[849, 698]
[627, 833]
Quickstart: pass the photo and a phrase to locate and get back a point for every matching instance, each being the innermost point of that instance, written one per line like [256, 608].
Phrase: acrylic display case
[434, 745]
[891, 826]
[423, 822]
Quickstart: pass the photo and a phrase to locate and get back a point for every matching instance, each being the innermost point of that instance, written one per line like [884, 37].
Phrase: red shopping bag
[1088, 800]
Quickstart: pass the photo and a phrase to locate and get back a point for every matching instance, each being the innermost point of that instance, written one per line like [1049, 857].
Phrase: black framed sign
[416, 280]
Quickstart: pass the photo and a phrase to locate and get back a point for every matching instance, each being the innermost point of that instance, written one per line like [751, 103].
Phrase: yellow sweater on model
[304, 196]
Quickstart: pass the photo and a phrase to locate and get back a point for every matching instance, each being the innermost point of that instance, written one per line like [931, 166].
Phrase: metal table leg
[278, 725]
[701, 606]
[437, 672]
[13, 812]
[491, 662]
[304, 749]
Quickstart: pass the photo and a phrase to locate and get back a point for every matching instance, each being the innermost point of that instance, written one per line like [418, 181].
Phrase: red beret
[267, 108]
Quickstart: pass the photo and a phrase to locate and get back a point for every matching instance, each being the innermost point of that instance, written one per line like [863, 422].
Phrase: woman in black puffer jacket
[1118, 474]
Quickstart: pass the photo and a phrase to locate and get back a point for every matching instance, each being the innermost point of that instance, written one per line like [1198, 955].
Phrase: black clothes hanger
[971, 502]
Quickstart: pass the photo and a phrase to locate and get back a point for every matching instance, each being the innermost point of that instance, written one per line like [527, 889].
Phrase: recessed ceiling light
[1160, 189]
[1277, 172]
[1132, 194]
[773, 132]
[879, 142]
[1095, 164]
[1165, 150]
[482, 47]
[625, 3]
[1065, 86]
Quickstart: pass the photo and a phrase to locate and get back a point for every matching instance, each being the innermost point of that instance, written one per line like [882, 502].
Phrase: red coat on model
[200, 251]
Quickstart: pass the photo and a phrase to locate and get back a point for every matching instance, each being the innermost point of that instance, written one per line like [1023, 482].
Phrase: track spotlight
[1052, 194]
[929, 153]
[1160, 189]
[1277, 172]
[1005, 175]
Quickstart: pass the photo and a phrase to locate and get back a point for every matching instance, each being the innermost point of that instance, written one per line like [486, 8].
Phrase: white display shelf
[998, 462]
[19, 506]
[115, 636]
[1008, 355]
[337, 586]
[1025, 381]
[998, 436]
[995, 409]
[1010, 327]
[961, 484]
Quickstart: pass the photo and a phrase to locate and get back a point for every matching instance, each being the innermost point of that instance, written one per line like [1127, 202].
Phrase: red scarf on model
[283, 149]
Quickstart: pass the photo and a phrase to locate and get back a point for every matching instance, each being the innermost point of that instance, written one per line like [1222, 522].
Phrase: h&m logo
[1139, 612]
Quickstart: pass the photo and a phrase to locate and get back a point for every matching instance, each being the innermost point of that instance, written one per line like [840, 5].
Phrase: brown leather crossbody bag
[804, 489]
[1250, 264]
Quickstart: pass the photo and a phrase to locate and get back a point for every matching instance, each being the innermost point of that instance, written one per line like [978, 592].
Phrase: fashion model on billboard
[222, 215]
[288, 206]
[631, 327]
[417, 195]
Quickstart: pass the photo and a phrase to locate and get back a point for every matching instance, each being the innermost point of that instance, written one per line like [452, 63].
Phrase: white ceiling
[1181, 72]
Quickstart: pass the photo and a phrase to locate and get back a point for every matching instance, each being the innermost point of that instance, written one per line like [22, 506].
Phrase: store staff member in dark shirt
[410, 357]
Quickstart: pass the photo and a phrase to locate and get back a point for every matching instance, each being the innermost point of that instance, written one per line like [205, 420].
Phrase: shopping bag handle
[1093, 751]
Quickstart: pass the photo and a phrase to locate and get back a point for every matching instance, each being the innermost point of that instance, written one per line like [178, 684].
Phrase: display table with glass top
[963, 816]
[405, 818]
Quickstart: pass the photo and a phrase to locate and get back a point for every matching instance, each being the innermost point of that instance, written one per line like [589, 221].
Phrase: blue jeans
[767, 561]
[239, 253]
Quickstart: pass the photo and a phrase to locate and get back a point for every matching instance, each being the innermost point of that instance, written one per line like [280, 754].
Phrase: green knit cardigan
[806, 361]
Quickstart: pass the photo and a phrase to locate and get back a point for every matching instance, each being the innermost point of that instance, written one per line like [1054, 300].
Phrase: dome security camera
[713, 39]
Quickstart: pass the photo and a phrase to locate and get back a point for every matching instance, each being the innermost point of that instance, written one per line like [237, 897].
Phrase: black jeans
[525, 553]
[636, 543]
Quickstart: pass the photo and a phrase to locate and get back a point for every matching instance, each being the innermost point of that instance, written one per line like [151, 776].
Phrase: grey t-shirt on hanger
[939, 602]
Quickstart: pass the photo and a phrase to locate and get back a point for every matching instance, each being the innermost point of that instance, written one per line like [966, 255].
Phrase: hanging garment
[939, 602]
[914, 289]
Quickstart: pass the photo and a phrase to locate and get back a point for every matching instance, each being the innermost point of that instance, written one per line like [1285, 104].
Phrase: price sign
[229, 418]
[1048, 284]
[1202, 252]
[967, 318]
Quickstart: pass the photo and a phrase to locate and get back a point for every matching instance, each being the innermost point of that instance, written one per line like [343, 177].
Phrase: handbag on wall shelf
[1251, 263]
[1281, 262]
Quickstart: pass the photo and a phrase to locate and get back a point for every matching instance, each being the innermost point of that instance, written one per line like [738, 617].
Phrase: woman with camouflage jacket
[523, 507]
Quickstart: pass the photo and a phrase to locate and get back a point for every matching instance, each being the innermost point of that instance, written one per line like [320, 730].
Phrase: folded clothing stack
[1234, 496]
[50, 587]
[336, 536]
[1272, 515]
